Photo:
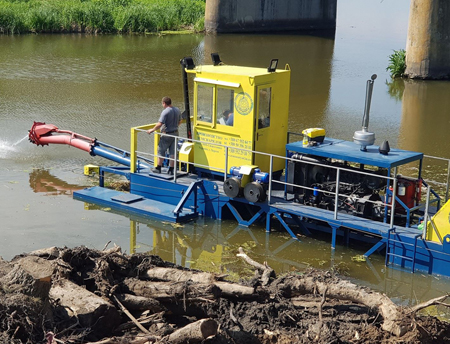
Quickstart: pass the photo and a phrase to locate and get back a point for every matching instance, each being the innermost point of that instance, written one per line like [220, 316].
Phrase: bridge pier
[428, 42]
[227, 16]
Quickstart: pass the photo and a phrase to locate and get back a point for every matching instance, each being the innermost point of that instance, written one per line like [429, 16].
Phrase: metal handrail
[271, 181]
[286, 159]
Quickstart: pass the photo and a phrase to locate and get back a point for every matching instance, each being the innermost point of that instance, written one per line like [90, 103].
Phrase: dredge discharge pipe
[42, 134]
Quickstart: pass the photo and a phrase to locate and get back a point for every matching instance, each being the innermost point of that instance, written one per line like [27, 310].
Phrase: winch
[247, 180]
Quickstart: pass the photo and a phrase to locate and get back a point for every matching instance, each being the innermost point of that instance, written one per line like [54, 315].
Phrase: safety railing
[388, 203]
[337, 195]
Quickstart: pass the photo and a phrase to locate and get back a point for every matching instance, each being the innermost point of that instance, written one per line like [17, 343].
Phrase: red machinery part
[43, 134]
[408, 191]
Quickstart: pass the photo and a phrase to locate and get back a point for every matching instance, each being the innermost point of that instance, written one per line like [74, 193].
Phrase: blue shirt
[230, 119]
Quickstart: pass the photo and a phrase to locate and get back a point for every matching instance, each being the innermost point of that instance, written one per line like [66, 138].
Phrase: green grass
[100, 16]
[397, 63]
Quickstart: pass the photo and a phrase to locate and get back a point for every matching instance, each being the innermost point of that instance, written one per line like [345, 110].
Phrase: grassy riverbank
[100, 16]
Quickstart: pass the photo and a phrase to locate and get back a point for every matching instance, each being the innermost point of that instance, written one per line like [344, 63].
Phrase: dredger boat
[252, 169]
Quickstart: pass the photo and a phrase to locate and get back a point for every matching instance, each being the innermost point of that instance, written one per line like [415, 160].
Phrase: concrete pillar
[225, 16]
[428, 42]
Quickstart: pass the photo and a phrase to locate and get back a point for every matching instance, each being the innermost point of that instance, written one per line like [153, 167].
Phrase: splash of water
[21, 140]
[6, 148]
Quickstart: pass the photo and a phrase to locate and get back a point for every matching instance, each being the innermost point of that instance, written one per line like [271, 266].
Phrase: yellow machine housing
[312, 135]
[88, 169]
[258, 103]
[439, 227]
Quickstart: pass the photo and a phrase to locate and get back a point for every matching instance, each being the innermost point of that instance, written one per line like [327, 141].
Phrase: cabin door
[263, 141]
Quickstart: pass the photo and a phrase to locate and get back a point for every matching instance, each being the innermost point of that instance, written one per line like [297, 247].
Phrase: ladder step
[399, 256]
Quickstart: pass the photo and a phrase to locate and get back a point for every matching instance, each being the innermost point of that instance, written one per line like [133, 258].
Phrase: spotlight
[215, 59]
[273, 65]
[188, 63]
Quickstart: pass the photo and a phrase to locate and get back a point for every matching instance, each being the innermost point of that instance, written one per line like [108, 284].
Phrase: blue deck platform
[134, 204]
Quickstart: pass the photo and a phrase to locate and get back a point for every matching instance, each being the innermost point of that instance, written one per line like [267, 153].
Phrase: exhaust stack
[364, 137]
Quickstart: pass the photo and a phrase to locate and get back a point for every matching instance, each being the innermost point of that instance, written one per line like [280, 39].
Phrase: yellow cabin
[242, 108]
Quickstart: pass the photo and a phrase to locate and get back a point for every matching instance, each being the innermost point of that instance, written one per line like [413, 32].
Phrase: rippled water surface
[100, 86]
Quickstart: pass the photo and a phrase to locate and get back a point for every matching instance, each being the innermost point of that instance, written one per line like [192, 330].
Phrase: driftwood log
[177, 275]
[344, 290]
[73, 301]
[140, 303]
[194, 332]
[164, 291]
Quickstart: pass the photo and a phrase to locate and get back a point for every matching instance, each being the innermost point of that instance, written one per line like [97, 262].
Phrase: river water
[100, 86]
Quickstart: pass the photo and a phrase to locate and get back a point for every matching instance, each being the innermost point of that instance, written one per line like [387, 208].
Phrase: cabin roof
[234, 70]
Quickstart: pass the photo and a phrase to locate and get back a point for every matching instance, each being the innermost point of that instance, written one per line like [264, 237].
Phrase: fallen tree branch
[132, 318]
[119, 340]
[147, 320]
[435, 301]
[345, 290]
[106, 245]
[266, 270]
[168, 291]
[324, 296]
[50, 252]
[140, 303]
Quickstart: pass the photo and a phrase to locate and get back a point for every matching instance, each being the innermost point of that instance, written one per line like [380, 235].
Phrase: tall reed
[100, 16]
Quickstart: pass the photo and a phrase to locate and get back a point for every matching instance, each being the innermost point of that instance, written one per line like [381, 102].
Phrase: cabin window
[225, 106]
[265, 95]
[205, 98]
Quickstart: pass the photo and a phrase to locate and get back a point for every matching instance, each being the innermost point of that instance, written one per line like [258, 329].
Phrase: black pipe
[308, 159]
[187, 107]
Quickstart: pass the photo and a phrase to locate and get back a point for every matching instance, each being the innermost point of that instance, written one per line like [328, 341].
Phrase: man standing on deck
[168, 122]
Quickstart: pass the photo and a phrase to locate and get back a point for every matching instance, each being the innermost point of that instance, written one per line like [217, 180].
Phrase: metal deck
[133, 204]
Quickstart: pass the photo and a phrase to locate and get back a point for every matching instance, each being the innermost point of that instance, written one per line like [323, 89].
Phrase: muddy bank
[61, 295]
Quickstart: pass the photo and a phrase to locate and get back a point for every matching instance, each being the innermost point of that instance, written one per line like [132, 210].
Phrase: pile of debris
[80, 295]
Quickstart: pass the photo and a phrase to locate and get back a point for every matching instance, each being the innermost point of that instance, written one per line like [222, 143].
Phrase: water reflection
[396, 87]
[212, 245]
[42, 181]
[425, 102]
